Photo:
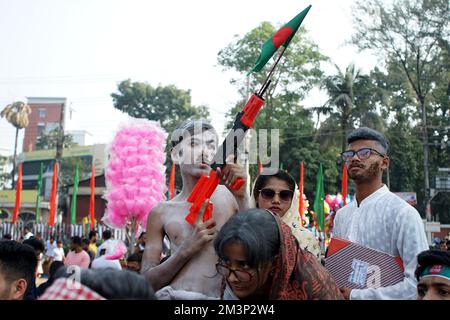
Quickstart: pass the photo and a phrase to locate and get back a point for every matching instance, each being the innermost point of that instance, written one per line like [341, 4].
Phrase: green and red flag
[73, 206]
[280, 38]
[319, 200]
[38, 194]
[18, 192]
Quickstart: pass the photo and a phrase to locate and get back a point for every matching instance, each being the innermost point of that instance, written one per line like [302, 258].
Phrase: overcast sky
[81, 50]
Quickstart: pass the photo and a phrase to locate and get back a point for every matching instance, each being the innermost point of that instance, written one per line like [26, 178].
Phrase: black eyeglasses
[240, 274]
[269, 194]
[363, 154]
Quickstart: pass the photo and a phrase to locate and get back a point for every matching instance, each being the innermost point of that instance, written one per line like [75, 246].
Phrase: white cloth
[168, 293]
[28, 235]
[58, 254]
[102, 263]
[49, 248]
[109, 246]
[386, 223]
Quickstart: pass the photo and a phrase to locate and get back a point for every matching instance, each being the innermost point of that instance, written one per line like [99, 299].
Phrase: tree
[166, 104]
[298, 72]
[49, 140]
[5, 177]
[17, 114]
[407, 33]
[350, 102]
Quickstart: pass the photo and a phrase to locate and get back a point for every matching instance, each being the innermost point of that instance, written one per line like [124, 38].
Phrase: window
[42, 113]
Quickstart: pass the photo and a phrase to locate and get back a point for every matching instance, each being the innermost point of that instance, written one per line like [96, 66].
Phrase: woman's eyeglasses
[240, 274]
[269, 194]
[363, 154]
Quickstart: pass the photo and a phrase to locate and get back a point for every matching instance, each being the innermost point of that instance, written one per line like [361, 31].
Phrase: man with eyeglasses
[378, 219]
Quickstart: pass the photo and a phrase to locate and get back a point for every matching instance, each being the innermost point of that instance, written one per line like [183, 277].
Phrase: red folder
[358, 267]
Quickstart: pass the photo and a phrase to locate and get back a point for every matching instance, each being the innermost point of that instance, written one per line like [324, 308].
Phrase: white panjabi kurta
[385, 222]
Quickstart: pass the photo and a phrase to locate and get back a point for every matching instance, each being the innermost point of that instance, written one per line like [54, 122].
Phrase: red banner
[92, 200]
[344, 184]
[172, 182]
[300, 196]
[18, 191]
[53, 196]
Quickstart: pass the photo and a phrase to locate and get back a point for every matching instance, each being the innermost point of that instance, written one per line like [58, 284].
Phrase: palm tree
[340, 105]
[17, 114]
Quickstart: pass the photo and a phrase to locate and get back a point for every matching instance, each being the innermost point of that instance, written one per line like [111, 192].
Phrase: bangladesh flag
[280, 38]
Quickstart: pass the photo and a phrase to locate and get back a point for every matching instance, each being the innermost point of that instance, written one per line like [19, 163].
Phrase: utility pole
[59, 152]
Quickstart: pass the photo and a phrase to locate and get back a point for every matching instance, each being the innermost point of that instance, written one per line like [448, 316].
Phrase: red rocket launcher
[244, 120]
[206, 185]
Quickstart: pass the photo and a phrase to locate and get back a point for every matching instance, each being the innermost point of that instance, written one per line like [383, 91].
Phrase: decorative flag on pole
[319, 200]
[38, 194]
[53, 196]
[300, 197]
[344, 184]
[280, 38]
[92, 200]
[73, 206]
[172, 182]
[18, 191]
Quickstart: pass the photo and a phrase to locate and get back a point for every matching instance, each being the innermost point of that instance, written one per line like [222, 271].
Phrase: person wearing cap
[433, 274]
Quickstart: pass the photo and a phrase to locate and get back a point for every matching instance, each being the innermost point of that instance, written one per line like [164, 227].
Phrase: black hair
[429, 258]
[54, 267]
[257, 231]
[143, 233]
[92, 234]
[188, 128]
[365, 133]
[17, 261]
[263, 179]
[85, 241]
[114, 284]
[106, 234]
[76, 240]
[7, 236]
[135, 257]
[36, 244]
[52, 237]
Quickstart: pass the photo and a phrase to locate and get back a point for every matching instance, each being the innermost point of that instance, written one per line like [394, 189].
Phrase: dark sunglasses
[240, 274]
[269, 194]
[363, 154]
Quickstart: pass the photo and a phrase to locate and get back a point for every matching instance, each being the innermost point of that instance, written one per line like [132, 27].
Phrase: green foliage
[49, 140]
[166, 104]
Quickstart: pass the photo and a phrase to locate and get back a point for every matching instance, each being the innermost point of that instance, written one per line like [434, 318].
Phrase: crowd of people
[251, 248]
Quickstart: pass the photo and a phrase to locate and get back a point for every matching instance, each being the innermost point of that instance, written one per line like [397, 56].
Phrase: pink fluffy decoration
[119, 251]
[135, 174]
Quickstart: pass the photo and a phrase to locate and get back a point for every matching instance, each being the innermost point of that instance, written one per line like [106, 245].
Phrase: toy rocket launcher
[206, 185]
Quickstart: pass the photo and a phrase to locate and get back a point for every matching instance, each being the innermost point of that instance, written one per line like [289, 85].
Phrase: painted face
[249, 281]
[433, 288]
[367, 169]
[195, 153]
[276, 196]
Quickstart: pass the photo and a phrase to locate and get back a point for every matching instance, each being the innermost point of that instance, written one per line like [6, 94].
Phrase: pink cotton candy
[135, 173]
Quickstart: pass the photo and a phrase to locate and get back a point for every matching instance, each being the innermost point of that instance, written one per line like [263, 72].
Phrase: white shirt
[385, 222]
[109, 246]
[58, 254]
[102, 263]
[28, 235]
[49, 247]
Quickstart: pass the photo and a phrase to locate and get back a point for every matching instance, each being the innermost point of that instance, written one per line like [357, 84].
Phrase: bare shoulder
[227, 196]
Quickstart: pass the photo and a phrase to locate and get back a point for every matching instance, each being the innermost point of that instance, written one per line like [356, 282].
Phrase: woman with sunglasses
[279, 194]
[260, 259]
